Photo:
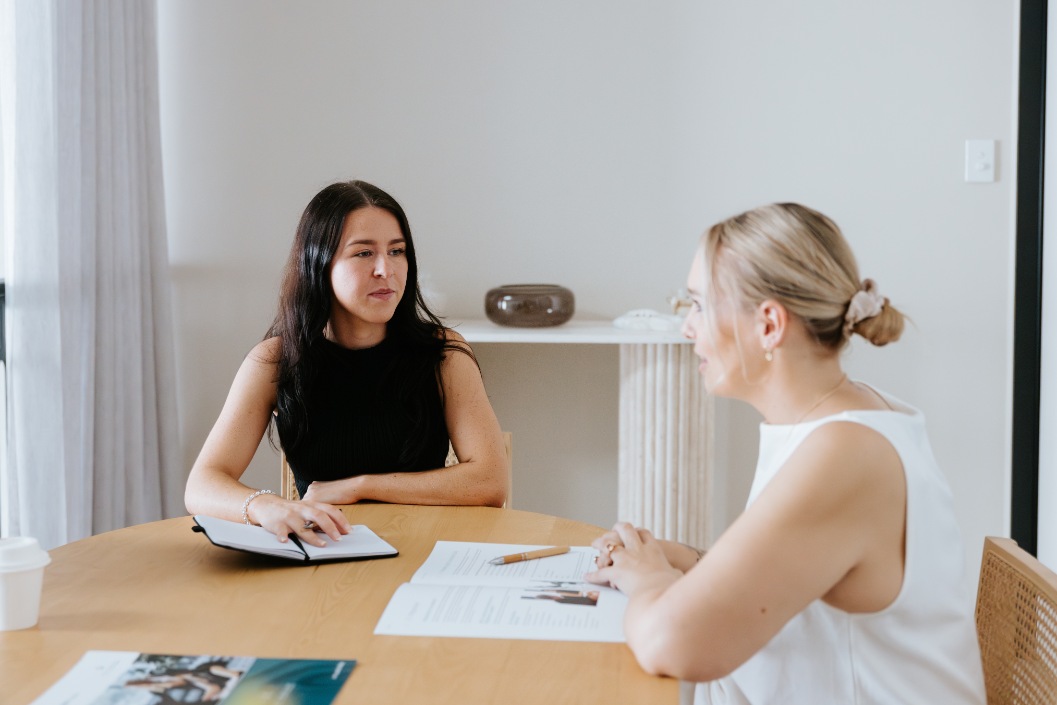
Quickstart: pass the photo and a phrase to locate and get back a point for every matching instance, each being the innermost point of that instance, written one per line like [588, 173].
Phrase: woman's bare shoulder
[266, 352]
[262, 361]
[849, 459]
[455, 343]
[842, 436]
[451, 335]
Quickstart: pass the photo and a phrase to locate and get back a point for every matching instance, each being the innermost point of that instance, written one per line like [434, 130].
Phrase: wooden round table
[161, 588]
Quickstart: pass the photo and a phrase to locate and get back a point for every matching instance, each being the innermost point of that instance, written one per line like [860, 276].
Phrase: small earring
[768, 355]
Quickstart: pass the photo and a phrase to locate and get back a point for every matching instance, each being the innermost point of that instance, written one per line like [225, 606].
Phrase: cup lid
[21, 553]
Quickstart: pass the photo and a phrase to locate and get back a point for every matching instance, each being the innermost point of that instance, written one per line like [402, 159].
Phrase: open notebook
[360, 542]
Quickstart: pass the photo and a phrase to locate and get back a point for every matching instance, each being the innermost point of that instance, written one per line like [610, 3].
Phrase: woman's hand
[334, 491]
[605, 545]
[679, 555]
[632, 561]
[283, 517]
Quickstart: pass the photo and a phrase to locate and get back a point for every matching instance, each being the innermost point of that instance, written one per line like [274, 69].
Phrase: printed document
[457, 592]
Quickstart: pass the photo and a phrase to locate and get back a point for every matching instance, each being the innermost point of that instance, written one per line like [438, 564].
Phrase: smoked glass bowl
[529, 305]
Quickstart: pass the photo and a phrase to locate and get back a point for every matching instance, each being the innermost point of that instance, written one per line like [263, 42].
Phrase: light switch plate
[979, 161]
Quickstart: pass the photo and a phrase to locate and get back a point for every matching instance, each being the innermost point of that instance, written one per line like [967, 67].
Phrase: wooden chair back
[288, 487]
[1016, 623]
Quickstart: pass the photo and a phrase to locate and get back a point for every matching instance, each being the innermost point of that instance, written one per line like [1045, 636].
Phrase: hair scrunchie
[866, 303]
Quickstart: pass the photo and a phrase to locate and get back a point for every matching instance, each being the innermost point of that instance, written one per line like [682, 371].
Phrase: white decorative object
[648, 319]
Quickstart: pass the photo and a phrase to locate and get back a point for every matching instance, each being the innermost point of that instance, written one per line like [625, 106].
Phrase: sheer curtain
[91, 410]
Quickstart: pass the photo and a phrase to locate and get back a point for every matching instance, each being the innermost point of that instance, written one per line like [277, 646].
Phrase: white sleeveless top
[922, 648]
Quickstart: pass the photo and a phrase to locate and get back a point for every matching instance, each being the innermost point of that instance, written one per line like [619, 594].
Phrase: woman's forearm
[461, 484]
[215, 493]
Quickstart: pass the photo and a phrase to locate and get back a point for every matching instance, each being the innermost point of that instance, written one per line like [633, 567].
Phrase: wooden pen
[529, 555]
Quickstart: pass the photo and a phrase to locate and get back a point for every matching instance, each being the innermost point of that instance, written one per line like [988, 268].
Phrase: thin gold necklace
[821, 399]
[824, 397]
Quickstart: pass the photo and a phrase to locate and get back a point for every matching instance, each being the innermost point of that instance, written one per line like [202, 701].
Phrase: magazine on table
[458, 592]
[131, 678]
[360, 542]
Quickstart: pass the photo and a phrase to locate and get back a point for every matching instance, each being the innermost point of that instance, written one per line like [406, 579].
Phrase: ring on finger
[309, 524]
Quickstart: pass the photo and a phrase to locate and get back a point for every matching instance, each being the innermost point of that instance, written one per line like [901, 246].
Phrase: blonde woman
[842, 582]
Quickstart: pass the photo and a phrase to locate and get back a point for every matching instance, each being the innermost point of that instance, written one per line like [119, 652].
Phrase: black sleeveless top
[370, 411]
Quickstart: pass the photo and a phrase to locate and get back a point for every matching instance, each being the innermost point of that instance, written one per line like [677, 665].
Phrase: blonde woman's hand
[632, 561]
[283, 517]
[605, 545]
[679, 555]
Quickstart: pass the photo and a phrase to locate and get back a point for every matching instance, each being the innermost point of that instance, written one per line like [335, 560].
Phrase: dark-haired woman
[365, 384]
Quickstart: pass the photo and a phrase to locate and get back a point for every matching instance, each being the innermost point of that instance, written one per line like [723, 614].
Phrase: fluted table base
[666, 434]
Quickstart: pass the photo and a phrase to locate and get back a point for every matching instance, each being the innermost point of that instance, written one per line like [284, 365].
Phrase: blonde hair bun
[884, 328]
[799, 257]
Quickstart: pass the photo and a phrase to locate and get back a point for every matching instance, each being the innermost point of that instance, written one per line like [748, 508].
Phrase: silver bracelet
[246, 504]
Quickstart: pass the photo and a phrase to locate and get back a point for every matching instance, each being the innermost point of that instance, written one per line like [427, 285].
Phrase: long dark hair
[306, 294]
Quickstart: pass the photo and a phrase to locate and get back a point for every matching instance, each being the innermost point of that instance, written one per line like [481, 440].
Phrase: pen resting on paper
[529, 555]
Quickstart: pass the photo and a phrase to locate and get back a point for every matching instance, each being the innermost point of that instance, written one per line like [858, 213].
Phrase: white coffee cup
[22, 562]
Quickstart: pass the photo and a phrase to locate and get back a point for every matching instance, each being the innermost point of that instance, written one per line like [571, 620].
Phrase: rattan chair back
[1016, 622]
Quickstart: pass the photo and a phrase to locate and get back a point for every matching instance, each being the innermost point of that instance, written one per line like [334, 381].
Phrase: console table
[666, 421]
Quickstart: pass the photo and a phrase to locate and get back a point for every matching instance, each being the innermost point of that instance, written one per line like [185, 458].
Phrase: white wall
[588, 143]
